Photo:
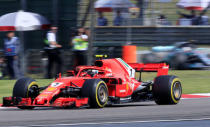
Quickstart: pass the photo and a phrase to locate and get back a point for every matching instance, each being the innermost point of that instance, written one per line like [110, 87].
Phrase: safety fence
[147, 13]
[150, 36]
[36, 60]
[108, 40]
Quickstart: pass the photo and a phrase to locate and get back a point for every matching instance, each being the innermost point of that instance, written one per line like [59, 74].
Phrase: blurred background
[154, 27]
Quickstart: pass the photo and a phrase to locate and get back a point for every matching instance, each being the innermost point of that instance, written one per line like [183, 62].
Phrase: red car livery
[107, 82]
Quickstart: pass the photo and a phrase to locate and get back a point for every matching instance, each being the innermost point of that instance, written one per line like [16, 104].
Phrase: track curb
[197, 95]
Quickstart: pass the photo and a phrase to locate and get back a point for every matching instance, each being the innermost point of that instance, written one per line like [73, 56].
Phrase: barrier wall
[37, 59]
[148, 36]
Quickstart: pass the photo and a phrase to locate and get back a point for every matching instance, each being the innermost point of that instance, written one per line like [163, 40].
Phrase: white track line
[125, 122]
[1, 107]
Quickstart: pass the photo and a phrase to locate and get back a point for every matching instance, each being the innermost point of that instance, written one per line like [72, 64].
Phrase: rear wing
[160, 68]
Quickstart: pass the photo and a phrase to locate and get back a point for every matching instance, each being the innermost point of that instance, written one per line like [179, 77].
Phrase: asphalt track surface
[189, 112]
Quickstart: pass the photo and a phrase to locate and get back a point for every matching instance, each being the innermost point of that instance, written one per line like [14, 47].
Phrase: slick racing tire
[26, 88]
[167, 90]
[97, 92]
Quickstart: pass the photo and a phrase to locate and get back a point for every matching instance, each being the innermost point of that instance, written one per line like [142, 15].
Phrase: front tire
[97, 92]
[26, 88]
[167, 89]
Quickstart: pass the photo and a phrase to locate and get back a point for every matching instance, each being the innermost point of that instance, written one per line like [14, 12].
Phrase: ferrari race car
[181, 55]
[107, 82]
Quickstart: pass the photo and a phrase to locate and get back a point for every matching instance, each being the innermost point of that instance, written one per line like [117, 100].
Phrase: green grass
[193, 81]
[6, 86]
[141, 48]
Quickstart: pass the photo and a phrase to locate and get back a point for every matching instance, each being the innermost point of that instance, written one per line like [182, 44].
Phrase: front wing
[59, 102]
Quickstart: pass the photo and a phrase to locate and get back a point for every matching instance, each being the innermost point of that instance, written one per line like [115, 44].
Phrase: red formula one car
[108, 81]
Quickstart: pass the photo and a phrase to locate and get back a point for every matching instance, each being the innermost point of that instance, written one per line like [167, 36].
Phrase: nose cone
[40, 101]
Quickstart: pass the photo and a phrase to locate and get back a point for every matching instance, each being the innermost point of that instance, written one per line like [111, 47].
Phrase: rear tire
[167, 90]
[97, 92]
[22, 89]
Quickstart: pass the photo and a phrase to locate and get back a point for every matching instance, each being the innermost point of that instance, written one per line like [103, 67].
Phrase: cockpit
[82, 71]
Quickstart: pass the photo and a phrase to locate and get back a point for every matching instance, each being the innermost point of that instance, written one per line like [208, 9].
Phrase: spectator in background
[162, 20]
[186, 19]
[196, 19]
[53, 53]
[201, 19]
[182, 21]
[102, 21]
[11, 48]
[188, 16]
[204, 20]
[80, 47]
[3, 68]
[118, 20]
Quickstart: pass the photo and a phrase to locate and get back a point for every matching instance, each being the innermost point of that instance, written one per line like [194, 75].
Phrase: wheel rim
[33, 91]
[102, 94]
[177, 90]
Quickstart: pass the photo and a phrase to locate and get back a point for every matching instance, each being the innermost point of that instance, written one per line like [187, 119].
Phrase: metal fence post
[153, 13]
[23, 4]
[142, 9]
[92, 31]
[55, 12]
